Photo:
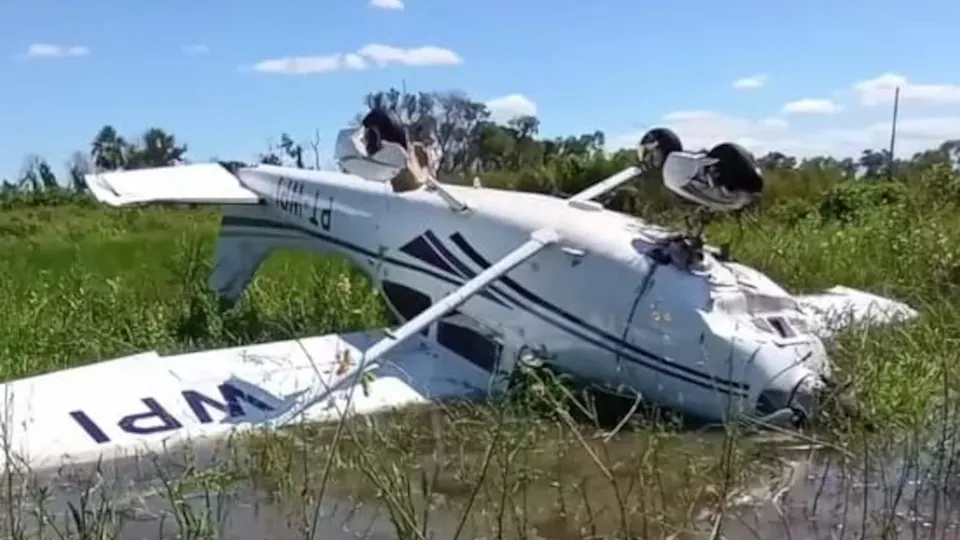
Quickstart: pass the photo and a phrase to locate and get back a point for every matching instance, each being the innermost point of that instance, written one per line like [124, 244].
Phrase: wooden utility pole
[893, 130]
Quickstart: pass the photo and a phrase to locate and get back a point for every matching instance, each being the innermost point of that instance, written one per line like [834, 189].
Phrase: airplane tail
[243, 243]
[840, 307]
[247, 237]
[248, 233]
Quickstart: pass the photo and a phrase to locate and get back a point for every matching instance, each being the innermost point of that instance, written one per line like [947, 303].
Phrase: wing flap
[199, 183]
[839, 308]
[149, 403]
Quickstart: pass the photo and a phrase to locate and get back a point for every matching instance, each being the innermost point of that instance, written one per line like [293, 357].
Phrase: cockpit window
[405, 301]
[468, 342]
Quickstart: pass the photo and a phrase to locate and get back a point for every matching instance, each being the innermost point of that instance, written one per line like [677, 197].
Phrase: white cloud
[375, 53]
[703, 129]
[774, 122]
[504, 108]
[913, 134]
[750, 83]
[419, 56]
[301, 65]
[196, 48]
[811, 106]
[354, 62]
[880, 90]
[47, 50]
[387, 4]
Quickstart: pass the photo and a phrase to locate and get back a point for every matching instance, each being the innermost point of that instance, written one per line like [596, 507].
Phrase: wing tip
[136, 187]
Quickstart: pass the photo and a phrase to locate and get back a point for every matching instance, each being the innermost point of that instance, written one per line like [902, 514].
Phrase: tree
[108, 150]
[874, 162]
[416, 111]
[456, 119]
[776, 161]
[37, 175]
[77, 166]
[270, 158]
[293, 150]
[315, 148]
[948, 153]
[155, 148]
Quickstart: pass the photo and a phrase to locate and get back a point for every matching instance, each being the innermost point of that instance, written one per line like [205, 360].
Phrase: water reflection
[884, 489]
[134, 498]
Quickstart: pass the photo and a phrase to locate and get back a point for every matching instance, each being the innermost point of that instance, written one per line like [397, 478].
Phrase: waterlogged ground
[799, 493]
[819, 495]
[139, 499]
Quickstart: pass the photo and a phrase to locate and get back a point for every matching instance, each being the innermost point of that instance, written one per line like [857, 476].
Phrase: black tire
[387, 126]
[665, 141]
[736, 170]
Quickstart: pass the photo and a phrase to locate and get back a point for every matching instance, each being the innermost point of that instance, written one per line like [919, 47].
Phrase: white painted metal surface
[194, 183]
[146, 402]
[841, 307]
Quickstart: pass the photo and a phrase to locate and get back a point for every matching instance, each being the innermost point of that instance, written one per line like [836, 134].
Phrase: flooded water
[810, 494]
[892, 493]
[140, 507]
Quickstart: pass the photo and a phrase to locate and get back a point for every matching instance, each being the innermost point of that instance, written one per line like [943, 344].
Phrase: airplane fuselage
[603, 305]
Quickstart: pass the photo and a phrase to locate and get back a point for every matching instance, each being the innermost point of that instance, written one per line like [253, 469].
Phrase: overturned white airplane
[481, 277]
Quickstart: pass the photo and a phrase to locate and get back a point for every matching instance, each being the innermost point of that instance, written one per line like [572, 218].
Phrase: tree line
[511, 154]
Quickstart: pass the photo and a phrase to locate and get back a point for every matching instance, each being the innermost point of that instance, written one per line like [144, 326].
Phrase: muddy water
[810, 495]
[893, 493]
[137, 491]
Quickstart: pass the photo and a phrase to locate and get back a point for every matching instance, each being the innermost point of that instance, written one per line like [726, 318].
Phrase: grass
[81, 284]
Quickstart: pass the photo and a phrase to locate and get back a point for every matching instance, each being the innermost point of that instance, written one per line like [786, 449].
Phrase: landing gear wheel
[736, 170]
[656, 145]
[382, 125]
[801, 419]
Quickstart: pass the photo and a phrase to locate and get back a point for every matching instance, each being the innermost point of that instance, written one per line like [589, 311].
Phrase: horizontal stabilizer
[148, 403]
[199, 183]
[839, 308]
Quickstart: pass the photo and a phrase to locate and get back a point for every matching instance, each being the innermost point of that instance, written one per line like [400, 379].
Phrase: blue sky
[614, 65]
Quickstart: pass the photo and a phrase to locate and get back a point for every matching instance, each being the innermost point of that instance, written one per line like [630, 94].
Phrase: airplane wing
[841, 307]
[199, 183]
[152, 403]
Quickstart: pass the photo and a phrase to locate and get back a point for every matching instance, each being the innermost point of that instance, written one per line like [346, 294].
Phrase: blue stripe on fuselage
[574, 325]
